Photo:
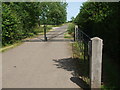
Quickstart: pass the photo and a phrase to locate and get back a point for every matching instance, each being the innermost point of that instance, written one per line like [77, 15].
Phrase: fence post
[96, 63]
[76, 28]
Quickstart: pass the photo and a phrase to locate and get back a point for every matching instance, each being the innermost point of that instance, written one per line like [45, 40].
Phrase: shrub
[71, 28]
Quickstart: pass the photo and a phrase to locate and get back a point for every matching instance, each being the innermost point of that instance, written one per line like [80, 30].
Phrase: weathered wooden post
[96, 63]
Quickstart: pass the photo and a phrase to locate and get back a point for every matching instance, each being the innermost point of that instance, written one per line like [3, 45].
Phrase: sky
[73, 9]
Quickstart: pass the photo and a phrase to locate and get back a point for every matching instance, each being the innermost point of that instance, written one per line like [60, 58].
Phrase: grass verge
[66, 35]
[3, 49]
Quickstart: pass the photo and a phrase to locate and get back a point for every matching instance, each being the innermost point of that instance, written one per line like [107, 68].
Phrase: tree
[55, 12]
[20, 18]
[102, 19]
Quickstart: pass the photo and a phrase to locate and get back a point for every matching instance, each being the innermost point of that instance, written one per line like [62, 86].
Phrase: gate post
[96, 63]
[76, 33]
[45, 38]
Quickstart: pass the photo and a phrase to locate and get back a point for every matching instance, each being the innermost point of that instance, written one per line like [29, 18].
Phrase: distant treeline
[20, 18]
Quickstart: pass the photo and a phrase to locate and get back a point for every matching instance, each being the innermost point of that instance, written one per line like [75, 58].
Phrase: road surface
[39, 64]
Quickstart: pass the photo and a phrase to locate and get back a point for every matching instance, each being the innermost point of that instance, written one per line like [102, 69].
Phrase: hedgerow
[102, 19]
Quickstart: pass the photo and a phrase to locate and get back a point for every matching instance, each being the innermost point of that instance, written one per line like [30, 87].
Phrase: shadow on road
[82, 84]
[78, 70]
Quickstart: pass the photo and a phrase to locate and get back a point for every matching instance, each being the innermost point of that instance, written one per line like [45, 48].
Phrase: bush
[18, 22]
[71, 28]
[10, 26]
[102, 19]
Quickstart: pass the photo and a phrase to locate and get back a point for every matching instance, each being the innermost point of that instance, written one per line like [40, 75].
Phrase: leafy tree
[55, 12]
[20, 18]
[102, 19]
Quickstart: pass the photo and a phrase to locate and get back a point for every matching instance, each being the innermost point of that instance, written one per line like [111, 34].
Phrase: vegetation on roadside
[3, 49]
[39, 31]
[82, 65]
[71, 28]
[66, 35]
[110, 75]
[102, 19]
[24, 19]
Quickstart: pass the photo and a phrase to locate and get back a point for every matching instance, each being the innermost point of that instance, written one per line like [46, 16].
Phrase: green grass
[77, 50]
[3, 49]
[66, 35]
[82, 64]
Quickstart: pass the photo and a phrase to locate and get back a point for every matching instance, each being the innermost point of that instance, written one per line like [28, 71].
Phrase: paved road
[39, 64]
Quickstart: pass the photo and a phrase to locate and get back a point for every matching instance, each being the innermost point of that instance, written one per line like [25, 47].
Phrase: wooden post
[96, 63]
